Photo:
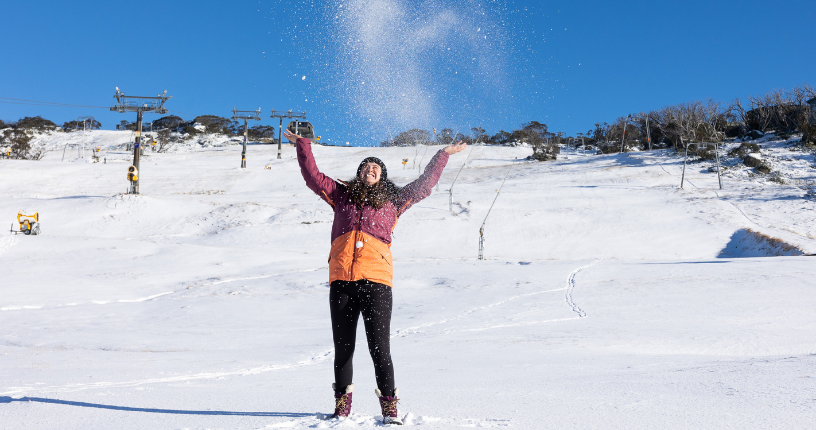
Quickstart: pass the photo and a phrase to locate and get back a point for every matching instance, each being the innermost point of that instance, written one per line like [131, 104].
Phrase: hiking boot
[342, 402]
[388, 404]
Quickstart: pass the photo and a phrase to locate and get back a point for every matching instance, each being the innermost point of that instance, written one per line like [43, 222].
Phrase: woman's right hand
[291, 136]
[456, 147]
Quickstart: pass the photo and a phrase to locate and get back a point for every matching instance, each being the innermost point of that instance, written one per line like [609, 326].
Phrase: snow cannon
[29, 224]
[133, 173]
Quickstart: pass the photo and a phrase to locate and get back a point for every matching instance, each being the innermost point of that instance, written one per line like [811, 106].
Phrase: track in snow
[571, 286]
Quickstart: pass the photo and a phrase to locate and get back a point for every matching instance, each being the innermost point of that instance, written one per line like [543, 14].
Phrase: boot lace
[341, 405]
[389, 407]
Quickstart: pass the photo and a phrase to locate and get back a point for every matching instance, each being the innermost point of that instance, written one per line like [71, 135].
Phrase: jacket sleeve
[421, 187]
[322, 185]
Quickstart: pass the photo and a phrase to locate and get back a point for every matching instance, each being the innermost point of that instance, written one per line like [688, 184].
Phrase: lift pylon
[245, 115]
[140, 105]
[281, 115]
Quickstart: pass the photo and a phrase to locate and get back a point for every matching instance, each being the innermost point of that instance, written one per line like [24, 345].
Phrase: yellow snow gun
[29, 224]
[133, 173]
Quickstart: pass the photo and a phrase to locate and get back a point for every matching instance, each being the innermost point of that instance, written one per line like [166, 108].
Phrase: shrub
[79, 125]
[808, 129]
[609, 147]
[545, 151]
[170, 122]
[216, 124]
[744, 149]
[757, 163]
[125, 125]
[777, 177]
[412, 137]
[34, 123]
[706, 151]
[501, 137]
[261, 132]
[445, 136]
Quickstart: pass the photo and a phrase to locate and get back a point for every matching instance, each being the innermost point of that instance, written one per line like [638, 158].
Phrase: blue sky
[566, 64]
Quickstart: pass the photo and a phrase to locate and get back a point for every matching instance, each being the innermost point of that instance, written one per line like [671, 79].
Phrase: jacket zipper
[356, 239]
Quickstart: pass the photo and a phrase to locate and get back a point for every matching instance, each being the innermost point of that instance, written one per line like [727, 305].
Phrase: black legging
[347, 300]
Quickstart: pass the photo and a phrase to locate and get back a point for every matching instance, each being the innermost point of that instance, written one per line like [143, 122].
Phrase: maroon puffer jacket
[361, 237]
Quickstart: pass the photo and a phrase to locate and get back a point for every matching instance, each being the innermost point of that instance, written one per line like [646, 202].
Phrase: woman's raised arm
[322, 185]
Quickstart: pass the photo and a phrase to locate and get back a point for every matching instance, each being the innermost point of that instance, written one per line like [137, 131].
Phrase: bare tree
[166, 140]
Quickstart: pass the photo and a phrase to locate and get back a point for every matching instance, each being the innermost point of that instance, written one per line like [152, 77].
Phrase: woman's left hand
[291, 136]
[456, 147]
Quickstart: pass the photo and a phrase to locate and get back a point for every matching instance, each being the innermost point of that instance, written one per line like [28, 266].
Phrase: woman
[366, 210]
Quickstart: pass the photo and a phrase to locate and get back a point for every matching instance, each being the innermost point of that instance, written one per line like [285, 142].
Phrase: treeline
[30, 123]
[207, 124]
[477, 135]
[533, 133]
[39, 123]
[16, 136]
[784, 112]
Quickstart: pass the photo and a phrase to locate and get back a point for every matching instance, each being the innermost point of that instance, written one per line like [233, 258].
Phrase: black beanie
[383, 175]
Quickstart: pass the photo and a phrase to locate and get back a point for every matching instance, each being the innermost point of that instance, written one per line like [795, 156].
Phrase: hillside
[609, 298]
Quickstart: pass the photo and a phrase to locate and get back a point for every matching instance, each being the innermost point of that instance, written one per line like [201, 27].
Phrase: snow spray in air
[405, 64]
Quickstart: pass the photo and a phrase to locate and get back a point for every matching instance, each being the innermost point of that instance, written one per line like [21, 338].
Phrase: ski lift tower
[281, 115]
[140, 105]
[85, 120]
[246, 115]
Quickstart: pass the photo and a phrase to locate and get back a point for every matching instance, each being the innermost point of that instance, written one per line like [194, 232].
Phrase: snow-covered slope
[604, 301]
[71, 144]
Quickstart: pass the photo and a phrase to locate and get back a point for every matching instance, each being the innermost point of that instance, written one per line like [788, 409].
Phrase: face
[370, 174]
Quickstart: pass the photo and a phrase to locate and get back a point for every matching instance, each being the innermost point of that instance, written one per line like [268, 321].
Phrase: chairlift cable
[497, 193]
[44, 103]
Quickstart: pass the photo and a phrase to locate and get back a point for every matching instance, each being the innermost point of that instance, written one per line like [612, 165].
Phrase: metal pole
[422, 158]
[683, 177]
[243, 152]
[648, 136]
[717, 152]
[450, 191]
[134, 185]
[623, 138]
[481, 242]
[481, 229]
[280, 130]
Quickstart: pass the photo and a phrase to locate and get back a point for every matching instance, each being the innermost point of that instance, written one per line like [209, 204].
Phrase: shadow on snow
[6, 399]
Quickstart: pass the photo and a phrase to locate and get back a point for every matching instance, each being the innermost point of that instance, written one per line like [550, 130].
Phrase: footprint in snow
[322, 421]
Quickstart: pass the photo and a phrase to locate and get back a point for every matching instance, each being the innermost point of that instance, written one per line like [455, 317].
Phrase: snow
[605, 301]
